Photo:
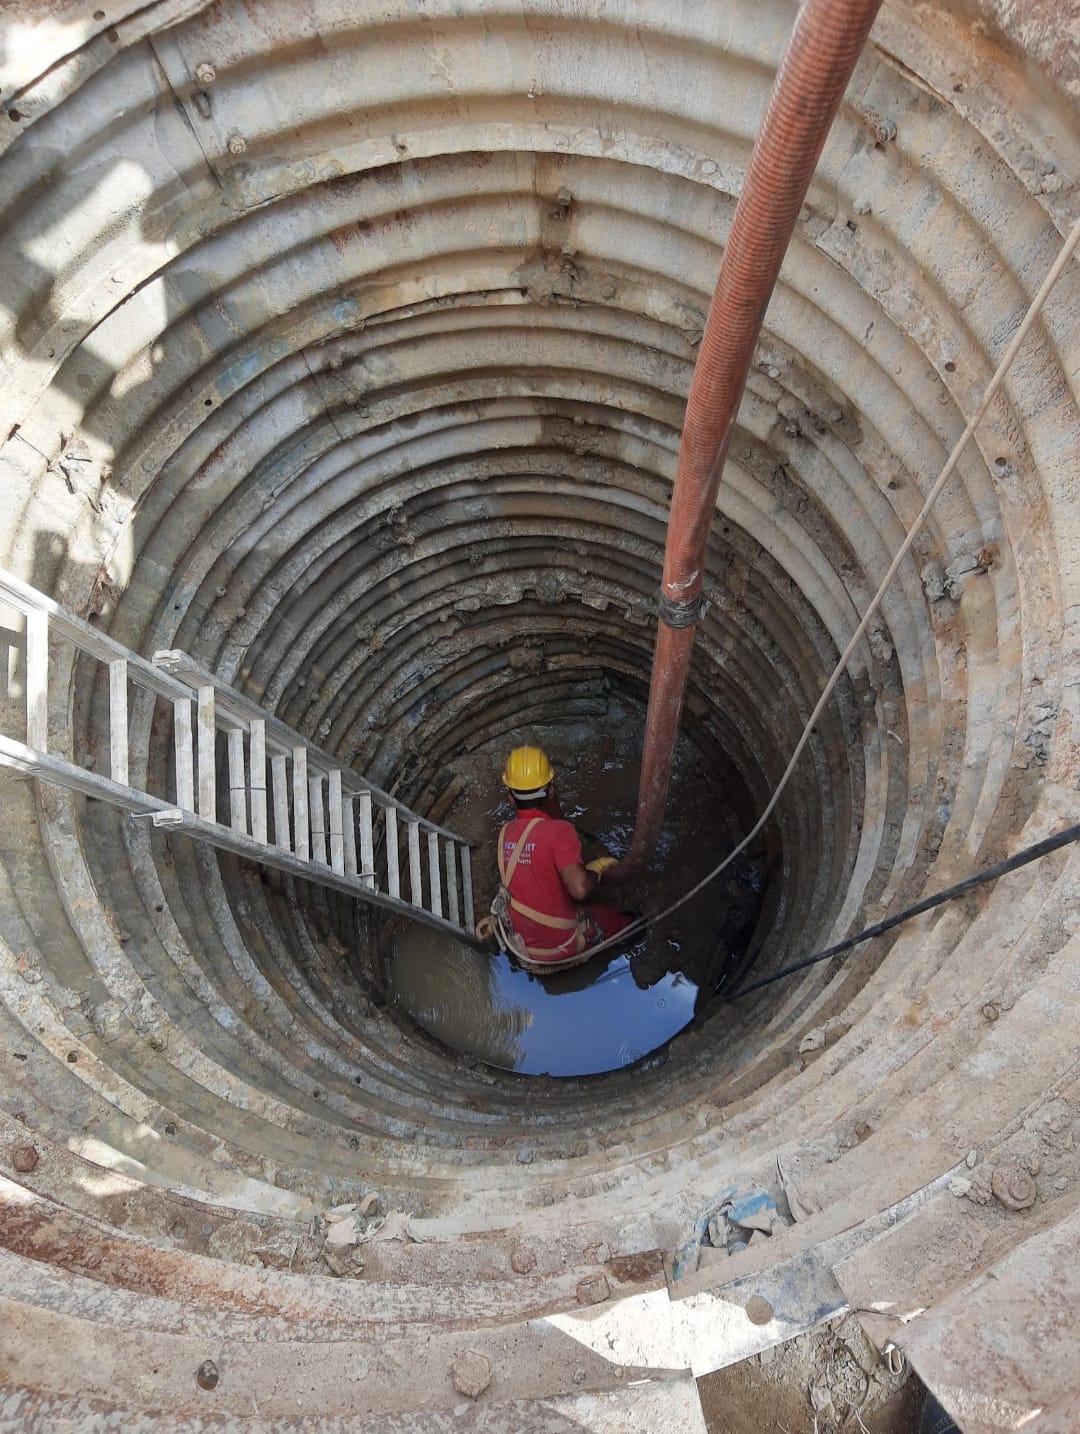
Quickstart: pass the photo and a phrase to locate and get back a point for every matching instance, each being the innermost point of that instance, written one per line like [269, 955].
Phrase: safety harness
[504, 905]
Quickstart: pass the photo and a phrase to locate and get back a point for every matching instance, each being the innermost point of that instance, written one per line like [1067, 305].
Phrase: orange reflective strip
[558, 923]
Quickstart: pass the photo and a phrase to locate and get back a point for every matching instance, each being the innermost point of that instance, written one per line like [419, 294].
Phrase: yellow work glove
[600, 865]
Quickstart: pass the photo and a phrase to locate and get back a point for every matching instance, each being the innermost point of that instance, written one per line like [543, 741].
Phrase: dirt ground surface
[830, 1380]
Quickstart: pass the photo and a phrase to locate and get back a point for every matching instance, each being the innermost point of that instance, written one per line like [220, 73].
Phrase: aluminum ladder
[314, 819]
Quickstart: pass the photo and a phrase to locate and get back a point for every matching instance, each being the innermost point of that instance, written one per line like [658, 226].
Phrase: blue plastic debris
[747, 1211]
[756, 1210]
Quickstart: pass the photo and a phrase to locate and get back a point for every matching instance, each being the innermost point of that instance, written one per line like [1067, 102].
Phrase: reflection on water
[596, 1017]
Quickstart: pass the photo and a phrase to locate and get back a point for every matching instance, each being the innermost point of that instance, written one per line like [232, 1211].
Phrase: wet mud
[626, 1003]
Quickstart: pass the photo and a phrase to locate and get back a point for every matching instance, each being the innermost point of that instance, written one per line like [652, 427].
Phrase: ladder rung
[118, 721]
[416, 889]
[280, 778]
[453, 905]
[301, 829]
[207, 756]
[237, 782]
[185, 761]
[257, 765]
[37, 681]
[337, 824]
[317, 819]
[348, 823]
[434, 874]
[367, 840]
[466, 886]
[393, 872]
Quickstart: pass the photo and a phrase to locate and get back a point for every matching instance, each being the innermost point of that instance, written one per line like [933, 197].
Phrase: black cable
[1022, 858]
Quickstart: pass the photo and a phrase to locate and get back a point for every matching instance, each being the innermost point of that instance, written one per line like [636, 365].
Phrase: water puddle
[593, 1018]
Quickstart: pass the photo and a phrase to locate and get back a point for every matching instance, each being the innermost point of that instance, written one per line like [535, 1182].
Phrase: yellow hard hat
[528, 771]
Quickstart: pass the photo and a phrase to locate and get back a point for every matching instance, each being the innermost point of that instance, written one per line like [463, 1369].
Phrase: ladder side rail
[62, 773]
[165, 814]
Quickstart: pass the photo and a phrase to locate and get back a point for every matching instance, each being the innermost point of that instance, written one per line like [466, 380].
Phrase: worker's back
[550, 846]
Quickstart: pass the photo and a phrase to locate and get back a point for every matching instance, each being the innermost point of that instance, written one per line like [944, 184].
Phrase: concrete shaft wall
[345, 347]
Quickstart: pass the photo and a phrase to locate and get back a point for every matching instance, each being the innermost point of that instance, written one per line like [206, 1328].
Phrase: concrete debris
[343, 1233]
[394, 1226]
[959, 1187]
[471, 1374]
[719, 1230]
[880, 645]
[343, 1263]
[820, 1036]
[800, 1209]
[348, 1225]
[269, 1259]
[1013, 1187]
[972, 1159]
[593, 1290]
[522, 1259]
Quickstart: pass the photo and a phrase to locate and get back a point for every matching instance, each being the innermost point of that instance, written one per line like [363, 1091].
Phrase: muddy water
[594, 1018]
[618, 1008]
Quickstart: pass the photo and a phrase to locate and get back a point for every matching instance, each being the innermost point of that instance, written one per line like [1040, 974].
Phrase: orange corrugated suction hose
[820, 57]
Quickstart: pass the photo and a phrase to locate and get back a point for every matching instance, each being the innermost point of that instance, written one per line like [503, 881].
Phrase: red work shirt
[552, 846]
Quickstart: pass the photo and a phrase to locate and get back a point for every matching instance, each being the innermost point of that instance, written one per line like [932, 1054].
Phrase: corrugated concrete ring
[346, 348]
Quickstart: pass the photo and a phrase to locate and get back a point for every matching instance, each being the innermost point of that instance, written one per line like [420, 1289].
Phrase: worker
[540, 911]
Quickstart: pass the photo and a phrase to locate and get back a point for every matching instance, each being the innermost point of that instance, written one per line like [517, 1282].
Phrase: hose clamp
[678, 614]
